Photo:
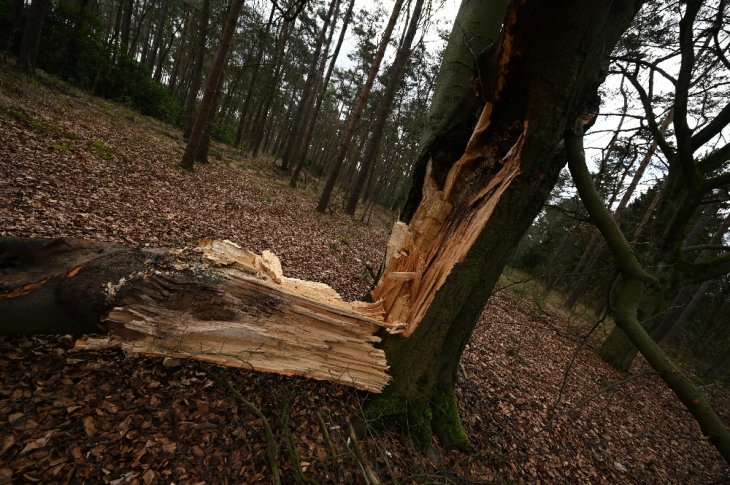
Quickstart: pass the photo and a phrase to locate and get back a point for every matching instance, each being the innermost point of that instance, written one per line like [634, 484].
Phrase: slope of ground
[72, 165]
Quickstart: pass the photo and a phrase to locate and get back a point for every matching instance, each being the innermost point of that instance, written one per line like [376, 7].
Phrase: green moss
[102, 150]
[23, 118]
[515, 353]
[420, 418]
[447, 423]
[63, 147]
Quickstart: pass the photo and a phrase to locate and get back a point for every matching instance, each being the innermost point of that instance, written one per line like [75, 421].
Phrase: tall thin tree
[358, 110]
[211, 87]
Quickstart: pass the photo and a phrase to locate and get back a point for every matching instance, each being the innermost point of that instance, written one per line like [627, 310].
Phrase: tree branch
[681, 128]
[627, 302]
[714, 160]
[712, 128]
[665, 147]
[601, 217]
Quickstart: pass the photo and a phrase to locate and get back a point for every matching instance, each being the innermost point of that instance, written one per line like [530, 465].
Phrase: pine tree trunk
[181, 49]
[358, 110]
[159, 33]
[306, 140]
[395, 75]
[125, 30]
[192, 151]
[254, 77]
[306, 100]
[196, 79]
[29, 46]
[262, 115]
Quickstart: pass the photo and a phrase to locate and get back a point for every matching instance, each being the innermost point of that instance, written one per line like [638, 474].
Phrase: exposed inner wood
[239, 310]
[443, 229]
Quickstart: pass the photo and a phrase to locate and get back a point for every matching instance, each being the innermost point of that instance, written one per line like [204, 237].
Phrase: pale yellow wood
[239, 310]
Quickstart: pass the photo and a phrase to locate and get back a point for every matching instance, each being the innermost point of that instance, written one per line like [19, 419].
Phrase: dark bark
[28, 55]
[125, 29]
[456, 106]
[16, 12]
[550, 53]
[42, 279]
[212, 86]
[395, 76]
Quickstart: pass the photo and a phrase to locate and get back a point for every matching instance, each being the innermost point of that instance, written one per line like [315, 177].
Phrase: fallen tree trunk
[215, 303]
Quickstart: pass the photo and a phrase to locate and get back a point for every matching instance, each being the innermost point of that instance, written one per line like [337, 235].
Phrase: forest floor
[537, 403]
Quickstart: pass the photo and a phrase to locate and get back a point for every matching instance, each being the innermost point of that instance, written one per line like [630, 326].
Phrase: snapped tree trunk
[441, 268]
[534, 83]
[216, 303]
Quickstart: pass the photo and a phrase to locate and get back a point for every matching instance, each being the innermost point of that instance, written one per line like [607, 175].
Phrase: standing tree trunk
[159, 32]
[211, 88]
[301, 154]
[127, 8]
[471, 212]
[262, 114]
[313, 75]
[196, 78]
[395, 75]
[181, 49]
[357, 112]
[28, 55]
[254, 77]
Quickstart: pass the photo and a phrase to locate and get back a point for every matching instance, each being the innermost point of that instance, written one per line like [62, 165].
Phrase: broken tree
[216, 303]
[478, 191]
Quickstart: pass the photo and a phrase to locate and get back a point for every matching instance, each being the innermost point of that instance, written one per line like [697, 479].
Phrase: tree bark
[441, 268]
[306, 99]
[159, 32]
[358, 110]
[254, 77]
[127, 9]
[192, 151]
[262, 115]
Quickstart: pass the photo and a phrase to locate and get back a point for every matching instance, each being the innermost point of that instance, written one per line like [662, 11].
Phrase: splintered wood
[243, 312]
[421, 256]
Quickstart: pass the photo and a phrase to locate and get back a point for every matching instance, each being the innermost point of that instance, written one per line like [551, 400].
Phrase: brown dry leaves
[71, 165]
